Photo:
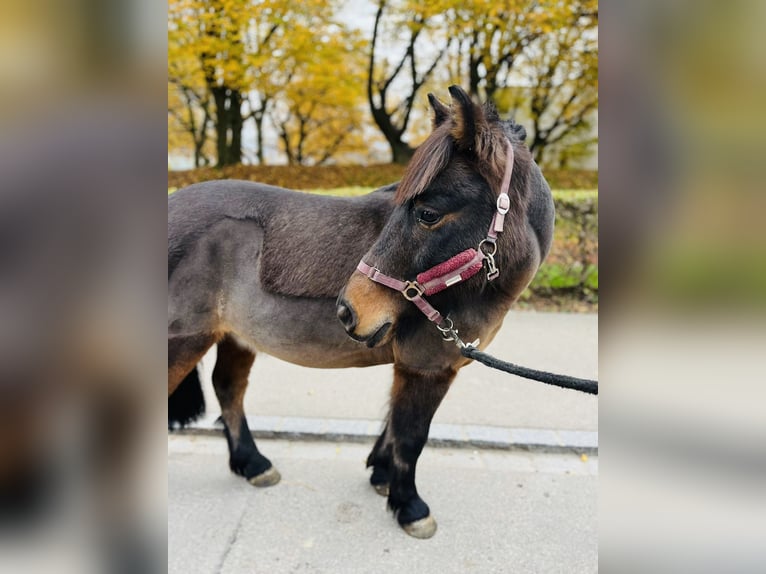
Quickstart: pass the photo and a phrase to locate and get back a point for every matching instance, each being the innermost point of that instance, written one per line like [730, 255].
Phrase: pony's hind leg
[230, 382]
[415, 396]
[184, 352]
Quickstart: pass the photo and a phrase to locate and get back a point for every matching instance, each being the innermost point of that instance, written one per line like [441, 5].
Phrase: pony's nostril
[345, 315]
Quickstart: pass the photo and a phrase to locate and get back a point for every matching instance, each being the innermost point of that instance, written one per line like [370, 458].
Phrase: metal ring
[448, 328]
[412, 285]
[488, 242]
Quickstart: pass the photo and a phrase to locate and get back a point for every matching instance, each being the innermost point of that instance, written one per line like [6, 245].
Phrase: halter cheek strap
[459, 268]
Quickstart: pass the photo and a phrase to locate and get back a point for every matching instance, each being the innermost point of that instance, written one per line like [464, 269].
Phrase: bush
[332, 176]
[296, 176]
[571, 268]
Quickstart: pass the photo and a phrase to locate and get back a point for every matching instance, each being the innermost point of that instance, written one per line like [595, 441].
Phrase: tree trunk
[258, 118]
[228, 125]
[235, 126]
[537, 148]
[401, 152]
[220, 123]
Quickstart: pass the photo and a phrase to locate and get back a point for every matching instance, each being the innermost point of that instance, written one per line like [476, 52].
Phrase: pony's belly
[301, 331]
[323, 356]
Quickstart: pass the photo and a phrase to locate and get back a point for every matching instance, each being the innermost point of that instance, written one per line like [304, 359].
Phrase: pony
[315, 281]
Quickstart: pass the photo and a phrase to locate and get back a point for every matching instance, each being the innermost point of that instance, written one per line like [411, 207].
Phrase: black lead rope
[564, 381]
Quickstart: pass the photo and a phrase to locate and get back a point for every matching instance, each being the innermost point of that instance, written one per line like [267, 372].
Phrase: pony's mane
[488, 155]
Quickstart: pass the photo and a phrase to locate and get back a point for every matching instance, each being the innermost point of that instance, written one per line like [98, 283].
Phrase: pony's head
[444, 206]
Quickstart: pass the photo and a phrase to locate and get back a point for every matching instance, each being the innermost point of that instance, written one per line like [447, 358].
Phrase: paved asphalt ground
[497, 511]
[515, 508]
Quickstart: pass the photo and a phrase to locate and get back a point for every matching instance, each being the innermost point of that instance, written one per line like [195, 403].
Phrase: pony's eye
[428, 216]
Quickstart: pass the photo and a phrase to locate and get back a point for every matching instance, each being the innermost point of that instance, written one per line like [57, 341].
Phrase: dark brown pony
[257, 268]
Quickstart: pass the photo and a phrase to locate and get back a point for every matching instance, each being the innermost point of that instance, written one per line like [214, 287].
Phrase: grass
[356, 191]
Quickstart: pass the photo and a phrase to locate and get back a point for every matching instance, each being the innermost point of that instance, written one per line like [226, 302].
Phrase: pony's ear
[468, 119]
[441, 111]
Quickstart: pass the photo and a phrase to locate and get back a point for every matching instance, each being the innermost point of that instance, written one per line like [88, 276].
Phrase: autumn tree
[393, 84]
[490, 37]
[234, 60]
[238, 62]
[540, 56]
[322, 111]
[205, 48]
[189, 119]
[189, 103]
[285, 46]
[217, 35]
[562, 72]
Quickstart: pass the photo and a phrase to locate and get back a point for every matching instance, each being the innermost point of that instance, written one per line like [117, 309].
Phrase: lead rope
[564, 381]
[470, 351]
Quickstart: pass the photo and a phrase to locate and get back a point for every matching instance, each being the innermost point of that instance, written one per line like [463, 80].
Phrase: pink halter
[459, 268]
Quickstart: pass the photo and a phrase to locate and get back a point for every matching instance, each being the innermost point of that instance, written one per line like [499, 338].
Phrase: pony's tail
[187, 402]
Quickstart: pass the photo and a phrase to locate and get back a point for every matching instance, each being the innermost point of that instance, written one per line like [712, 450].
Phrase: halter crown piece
[462, 266]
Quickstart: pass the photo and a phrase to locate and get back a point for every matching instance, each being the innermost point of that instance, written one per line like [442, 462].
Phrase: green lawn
[357, 190]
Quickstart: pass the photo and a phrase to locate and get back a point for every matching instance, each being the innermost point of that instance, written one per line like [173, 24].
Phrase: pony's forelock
[430, 159]
[488, 153]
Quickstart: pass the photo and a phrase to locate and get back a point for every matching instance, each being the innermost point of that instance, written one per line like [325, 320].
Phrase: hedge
[571, 268]
[334, 176]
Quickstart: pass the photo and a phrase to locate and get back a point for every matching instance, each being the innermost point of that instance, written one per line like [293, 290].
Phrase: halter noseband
[462, 266]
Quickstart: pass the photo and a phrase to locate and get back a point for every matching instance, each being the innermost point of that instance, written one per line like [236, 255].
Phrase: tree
[189, 103]
[205, 46]
[321, 110]
[562, 71]
[242, 53]
[410, 71]
[189, 118]
[242, 62]
[490, 36]
[282, 39]
[540, 55]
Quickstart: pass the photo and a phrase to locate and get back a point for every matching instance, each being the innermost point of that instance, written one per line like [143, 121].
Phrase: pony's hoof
[381, 489]
[268, 477]
[423, 528]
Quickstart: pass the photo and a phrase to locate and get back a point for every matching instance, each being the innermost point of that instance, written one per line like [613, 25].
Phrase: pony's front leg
[415, 397]
[380, 461]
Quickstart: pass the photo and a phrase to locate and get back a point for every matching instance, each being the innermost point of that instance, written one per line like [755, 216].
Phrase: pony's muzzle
[347, 317]
[367, 311]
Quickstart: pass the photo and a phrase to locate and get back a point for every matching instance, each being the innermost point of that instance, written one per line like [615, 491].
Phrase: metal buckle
[416, 287]
[503, 203]
[491, 242]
